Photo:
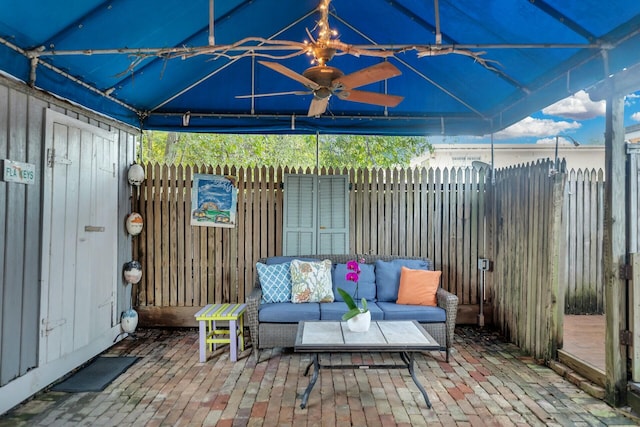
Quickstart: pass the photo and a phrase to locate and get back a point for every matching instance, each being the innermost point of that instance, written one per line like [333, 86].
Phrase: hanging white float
[135, 174]
[134, 223]
[132, 272]
[129, 321]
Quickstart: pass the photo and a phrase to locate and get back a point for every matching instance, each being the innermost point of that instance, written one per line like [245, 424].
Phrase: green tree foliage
[281, 150]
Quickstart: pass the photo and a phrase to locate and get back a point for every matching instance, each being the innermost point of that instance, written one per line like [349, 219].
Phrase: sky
[576, 116]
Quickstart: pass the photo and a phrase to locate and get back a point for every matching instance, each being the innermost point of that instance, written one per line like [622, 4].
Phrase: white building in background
[462, 155]
[504, 155]
[632, 134]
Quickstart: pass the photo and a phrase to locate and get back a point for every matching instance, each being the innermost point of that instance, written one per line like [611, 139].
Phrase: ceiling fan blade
[262, 95]
[375, 73]
[291, 74]
[366, 97]
[318, 106]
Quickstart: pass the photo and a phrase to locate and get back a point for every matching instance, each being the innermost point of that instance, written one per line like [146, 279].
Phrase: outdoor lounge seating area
[274, 324]
[82, 91]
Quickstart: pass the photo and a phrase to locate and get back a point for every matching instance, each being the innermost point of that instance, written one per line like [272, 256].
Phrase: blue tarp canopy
[467, 66]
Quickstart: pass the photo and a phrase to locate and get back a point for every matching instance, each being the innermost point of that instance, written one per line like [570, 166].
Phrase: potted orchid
[358, 318]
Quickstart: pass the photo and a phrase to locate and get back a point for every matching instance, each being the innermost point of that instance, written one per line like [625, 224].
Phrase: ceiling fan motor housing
[323, 75]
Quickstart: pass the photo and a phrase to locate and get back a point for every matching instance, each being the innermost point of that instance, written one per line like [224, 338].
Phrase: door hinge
[626, 337]
[52, 158]
[626, 272]
[50, 326]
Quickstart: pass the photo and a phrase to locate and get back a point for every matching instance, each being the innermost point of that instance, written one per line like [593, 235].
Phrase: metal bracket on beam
[626, 337]
[626, 272]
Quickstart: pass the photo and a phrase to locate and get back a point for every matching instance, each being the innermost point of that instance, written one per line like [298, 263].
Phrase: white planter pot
[360, 322]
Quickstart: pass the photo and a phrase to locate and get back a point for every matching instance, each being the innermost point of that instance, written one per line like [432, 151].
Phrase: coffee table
[384, 336]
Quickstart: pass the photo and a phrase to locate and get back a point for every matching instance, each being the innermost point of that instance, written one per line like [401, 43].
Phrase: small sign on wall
[23, 173]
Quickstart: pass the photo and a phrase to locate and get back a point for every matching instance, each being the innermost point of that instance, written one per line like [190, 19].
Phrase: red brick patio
[488, 382]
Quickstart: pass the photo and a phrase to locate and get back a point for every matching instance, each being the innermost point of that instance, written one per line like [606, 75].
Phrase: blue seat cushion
[335, 310]
[287, 312]
[421, 313]
[388, 276]
[366, 284]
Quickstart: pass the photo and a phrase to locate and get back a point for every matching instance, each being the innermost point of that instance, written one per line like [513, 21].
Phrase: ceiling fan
[324, 81]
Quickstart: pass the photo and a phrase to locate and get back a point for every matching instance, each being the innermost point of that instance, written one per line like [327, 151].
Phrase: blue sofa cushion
[335, 310]
[366, 284]
[286, 312]
[283, 259]
[421, 313]
[388, 276]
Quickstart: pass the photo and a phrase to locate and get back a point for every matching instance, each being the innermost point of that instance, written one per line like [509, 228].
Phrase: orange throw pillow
[418, 287]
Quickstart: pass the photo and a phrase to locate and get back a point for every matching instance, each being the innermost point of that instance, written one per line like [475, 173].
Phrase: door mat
[97, 375]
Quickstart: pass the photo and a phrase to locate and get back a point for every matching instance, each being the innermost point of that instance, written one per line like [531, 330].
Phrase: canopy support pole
[317, 152]
[438, 33]
[493, 166]
[212, 40]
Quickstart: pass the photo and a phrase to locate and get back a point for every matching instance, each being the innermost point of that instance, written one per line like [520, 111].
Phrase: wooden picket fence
[439, 214]
[525, 211]
[584, 207]
[415, 212]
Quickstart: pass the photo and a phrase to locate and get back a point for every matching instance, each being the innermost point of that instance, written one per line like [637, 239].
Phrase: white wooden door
[79, 236]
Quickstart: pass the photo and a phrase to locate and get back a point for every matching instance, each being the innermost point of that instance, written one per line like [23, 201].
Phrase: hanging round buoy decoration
[129, 321]
[134, 223]
[135, 174]
[132, 272]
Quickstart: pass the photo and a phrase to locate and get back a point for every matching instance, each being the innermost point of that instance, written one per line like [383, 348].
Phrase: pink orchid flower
[352, 276]
[353, 266]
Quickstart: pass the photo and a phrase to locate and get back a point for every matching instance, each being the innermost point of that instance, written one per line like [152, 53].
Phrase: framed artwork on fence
[214, 201]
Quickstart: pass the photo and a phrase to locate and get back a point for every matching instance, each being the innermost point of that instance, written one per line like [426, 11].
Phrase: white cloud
[636, 117]
[631, 99]
[577, 107]
[552, 141]
[532, 127]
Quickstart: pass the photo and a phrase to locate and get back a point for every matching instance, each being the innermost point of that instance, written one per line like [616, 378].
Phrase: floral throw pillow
[311, 281]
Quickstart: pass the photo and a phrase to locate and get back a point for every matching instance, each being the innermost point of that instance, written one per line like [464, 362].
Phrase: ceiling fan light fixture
[322, 93]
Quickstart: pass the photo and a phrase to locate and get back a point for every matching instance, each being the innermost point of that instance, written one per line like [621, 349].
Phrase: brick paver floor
[487, 383]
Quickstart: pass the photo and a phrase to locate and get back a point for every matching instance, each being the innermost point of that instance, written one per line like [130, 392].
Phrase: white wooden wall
[633, 152]
[22, 115]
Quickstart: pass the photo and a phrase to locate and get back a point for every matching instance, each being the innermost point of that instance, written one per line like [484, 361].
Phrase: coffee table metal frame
[384, 336]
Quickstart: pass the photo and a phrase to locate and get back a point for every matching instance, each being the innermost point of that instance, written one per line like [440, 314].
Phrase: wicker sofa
[270, 331]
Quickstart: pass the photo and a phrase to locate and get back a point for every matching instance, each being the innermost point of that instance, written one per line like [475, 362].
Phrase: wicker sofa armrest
[449, 302]
[253, 304]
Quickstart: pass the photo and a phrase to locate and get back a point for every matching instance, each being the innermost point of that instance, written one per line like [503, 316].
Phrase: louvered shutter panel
[333, 214]
[299, 216]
